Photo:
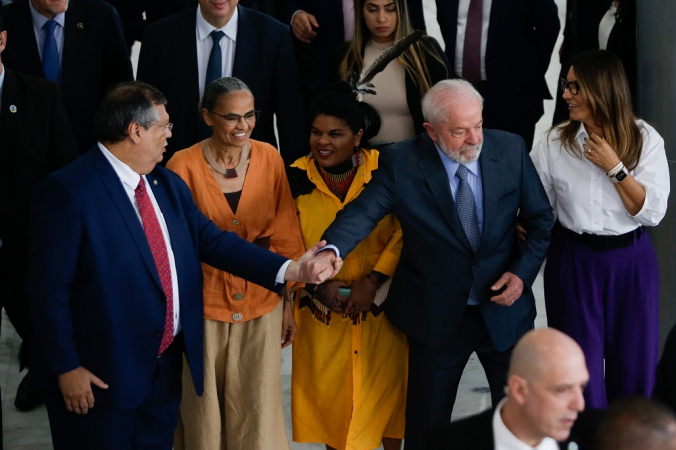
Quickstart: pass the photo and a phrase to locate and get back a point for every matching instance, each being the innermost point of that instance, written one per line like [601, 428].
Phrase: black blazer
[582, 34]
[476, 433]
[264, 60]
[314, 59]
[438, 70]
[94, 58]
[521, 37]
[431, 285]
[665, 380]
[35, 139]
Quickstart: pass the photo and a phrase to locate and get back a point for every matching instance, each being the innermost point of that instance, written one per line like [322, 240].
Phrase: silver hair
[443, 95]
[219, 88]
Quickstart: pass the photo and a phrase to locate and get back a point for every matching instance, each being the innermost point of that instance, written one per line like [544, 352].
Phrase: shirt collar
[505, 440]
[452, 165]
[39, 20]
[123, 171]
[204, 28]
[2, 81]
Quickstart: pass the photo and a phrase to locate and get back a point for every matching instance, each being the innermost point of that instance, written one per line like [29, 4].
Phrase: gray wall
[657, 105]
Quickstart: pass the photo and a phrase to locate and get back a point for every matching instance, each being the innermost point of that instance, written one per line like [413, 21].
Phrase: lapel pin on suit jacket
[13, 108]
[80, 26]
[572, 446]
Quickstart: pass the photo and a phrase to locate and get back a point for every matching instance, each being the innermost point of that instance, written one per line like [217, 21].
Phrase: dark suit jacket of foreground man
[476, 433]
[264, 60]
[95, 295]
[35, 139]
[95, 57]
[432, 283]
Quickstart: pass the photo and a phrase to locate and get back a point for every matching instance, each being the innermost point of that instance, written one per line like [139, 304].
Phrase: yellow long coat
[348, 387]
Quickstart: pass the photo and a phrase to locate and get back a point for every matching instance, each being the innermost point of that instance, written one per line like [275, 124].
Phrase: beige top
[390, 101]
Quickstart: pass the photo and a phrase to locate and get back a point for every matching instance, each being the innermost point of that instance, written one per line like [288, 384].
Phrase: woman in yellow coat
[348, 387]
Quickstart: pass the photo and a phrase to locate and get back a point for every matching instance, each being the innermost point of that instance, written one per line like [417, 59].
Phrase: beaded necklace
[339, 183]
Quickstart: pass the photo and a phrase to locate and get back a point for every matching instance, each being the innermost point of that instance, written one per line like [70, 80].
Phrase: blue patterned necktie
[467, 209]
[50, 54]
[464, 202]
[215, 66]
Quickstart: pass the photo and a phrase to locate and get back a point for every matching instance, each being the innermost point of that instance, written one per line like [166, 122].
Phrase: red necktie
[471, 53]
[159, 250]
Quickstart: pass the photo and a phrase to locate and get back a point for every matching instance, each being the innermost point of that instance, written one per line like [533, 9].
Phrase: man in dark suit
[35, 139]
[179, 58]
[463, 283]
[547, 375]
[319, 26]
[115, 282]
[665, 376]
[86, 56]
[504, 49]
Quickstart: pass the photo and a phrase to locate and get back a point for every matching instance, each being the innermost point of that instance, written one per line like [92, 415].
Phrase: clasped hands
[315, 269]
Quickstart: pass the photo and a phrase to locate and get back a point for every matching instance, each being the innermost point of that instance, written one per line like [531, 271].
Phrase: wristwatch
[619, 176]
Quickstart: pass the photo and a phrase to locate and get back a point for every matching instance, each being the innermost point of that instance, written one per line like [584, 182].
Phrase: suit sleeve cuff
[329, 247]
[282, 271]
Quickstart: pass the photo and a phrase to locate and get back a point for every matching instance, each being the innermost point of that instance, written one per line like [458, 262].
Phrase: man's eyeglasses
[572, 86]
[167, 126]
[233, 119]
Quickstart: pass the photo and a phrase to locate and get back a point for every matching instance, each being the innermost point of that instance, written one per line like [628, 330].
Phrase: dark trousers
[150, 426]
[608, 301]
[434, 375]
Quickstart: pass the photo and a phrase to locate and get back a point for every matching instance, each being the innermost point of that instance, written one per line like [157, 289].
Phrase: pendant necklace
[228, 173]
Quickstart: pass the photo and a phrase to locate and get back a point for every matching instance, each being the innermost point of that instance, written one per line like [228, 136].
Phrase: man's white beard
[466, 154]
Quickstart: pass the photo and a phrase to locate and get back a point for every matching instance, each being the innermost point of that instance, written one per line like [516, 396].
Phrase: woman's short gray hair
[219, 88]
[441, 96]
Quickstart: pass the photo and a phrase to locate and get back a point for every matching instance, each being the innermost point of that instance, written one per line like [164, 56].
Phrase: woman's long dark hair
[603, 84]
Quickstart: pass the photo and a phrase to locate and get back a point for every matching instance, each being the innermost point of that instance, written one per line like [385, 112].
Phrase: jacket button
[237, 317]
[238, 296]
[235, 221]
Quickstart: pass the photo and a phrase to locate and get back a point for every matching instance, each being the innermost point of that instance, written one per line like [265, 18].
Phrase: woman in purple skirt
[606, 175]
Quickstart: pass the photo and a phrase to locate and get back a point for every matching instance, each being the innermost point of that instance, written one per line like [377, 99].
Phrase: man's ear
[134, 130]
[518, 388]
[430, 131]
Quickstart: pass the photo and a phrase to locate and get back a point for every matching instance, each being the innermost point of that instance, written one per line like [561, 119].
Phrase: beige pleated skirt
[241, 408]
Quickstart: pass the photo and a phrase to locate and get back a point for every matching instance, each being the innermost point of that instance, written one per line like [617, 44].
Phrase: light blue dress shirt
[473, 179]
[38, 27]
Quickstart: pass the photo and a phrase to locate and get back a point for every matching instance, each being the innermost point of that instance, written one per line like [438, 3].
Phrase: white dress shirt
[606, 26]
[205, 43]
[584, 198]
[2, 84]
[39, 22]
[463, 9]
[130, 181]
[505, 440]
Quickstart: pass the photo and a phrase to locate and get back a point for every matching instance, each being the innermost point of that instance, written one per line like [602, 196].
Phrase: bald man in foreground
[544, 398]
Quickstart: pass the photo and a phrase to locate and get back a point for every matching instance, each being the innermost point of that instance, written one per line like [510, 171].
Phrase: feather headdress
[361, 83]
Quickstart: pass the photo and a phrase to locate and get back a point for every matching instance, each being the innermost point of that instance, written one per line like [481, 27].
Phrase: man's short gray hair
[442, 96]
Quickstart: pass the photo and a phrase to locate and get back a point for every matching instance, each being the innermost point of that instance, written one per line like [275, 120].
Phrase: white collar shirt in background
[463, 9]
[606, 26]
[38, 27]
[130, 181]
[505, 440]
[2, 82]
[205, 43]
[585, 199]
